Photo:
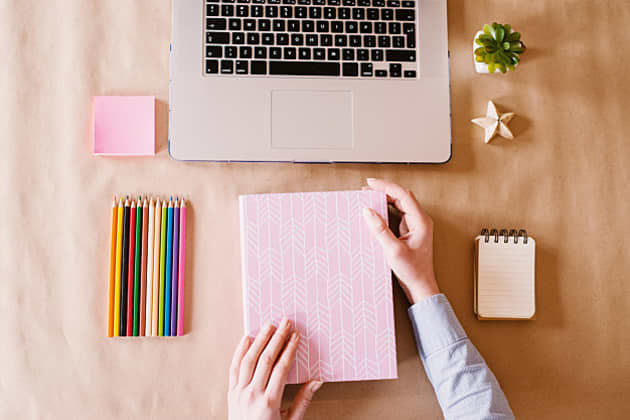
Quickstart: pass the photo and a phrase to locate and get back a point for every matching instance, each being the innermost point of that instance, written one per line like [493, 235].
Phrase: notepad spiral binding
[505, 234]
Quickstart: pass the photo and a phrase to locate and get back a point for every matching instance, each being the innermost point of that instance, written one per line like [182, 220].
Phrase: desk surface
[566, 179]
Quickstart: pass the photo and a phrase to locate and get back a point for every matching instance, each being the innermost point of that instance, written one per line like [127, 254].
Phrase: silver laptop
[310, 81]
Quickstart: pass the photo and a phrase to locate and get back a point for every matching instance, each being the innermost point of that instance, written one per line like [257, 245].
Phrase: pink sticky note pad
[124, 125]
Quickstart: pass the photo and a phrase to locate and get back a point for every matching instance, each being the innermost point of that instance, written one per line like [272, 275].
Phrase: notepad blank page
[505, 278]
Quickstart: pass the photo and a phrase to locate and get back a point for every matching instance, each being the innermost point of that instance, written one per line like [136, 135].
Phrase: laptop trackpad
[304, 119]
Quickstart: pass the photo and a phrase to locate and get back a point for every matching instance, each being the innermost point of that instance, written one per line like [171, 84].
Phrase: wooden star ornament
[494, 123]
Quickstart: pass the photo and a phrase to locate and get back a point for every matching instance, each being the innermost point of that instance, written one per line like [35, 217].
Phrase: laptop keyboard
[337, 38]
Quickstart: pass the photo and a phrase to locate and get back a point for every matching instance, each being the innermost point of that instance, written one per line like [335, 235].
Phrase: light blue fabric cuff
[434, 325]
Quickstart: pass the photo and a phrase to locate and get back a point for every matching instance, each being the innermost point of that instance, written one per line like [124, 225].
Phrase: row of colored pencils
[147, 259]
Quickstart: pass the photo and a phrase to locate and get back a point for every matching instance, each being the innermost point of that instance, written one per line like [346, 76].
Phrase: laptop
[310, 81]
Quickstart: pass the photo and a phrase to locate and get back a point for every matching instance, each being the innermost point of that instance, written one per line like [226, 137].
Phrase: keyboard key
[399, 42]
[407, 3]
[350, 69]
[212, 66]
[308, 26]
[217, 37]
[394, 70]
[380, 73]
[322, 26]
[355, 40]
[242, 67]
[278, 25]
[330, 13]
[257, 11]
[301, 12]
[238, 38]
[212, 10]
[405, 14]
[228, 1]
[349, 2]
[333, 2]
[290, 53]
[260, 52]
[258, 1]
[227, 67]
[264, 25]
[383, 41]
[275, 52]
[394, 27]
[347, 54]
[273, 1]
[377, 55]
[393, 3]
[341, 40]
[380, 28]
[411, 40]
[388, 14]
[227, 10]
[249, 24]
[242, 1]
[231, 52]
[253, 39]
[288, 1]
[271, 11]
[378, 3]
[358, 13]
[259, 67]
[297, 39]
[212, 52]
[267, 39]
[304, 68]
[333, 54]
[366, 69]
[410, 73]
[311, 39]
[351, 27]
[365, 27]
[315, 12]
[364, 3]
[286, 12]
[336, 27]
[304, 53]
[326, 40]
[344, 13]
[304, 2]
[235, 24]
[293, 25]
[369, 40]
[409, 28]
[242, 11]
[400, 55]
[282, 39]
[216, 24]
[319, 53]
[363, 55]
[319, 2]
[245, 52]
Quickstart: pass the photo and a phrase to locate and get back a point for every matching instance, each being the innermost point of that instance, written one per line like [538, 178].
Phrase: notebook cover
[311, 258]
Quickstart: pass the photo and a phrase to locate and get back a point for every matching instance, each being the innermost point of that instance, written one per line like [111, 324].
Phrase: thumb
[303, 399]
[380, 230]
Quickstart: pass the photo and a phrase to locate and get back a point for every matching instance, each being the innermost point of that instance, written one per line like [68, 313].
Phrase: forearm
[464, 385]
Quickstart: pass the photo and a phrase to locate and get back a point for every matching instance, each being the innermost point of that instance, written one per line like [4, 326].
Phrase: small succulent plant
[499, 47]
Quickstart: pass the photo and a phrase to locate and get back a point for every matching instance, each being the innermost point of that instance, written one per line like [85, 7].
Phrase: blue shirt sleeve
[463, 383]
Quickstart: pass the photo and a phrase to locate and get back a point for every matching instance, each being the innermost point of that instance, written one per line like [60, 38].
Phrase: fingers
[278, 378]
[248, 364]
[270, 354]
[241, 349]
[302, 400]
[403, 199]
[381, 231]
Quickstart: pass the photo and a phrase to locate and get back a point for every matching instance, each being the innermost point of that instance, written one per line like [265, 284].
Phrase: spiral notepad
[504, 275]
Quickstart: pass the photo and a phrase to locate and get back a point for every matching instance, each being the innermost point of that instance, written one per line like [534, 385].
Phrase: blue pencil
[175, 265]
[169, 256]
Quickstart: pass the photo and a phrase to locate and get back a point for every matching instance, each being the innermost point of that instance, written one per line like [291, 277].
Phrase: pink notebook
[311, 258]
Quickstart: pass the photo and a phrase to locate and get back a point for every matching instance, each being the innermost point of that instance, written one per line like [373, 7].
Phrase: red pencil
[132, 248]
[143, 270]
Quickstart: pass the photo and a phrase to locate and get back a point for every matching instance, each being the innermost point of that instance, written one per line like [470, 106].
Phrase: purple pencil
[175, 271]
[181, 266]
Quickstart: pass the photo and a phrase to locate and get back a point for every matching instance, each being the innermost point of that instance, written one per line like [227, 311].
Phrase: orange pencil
[112, 270]
[143, 266]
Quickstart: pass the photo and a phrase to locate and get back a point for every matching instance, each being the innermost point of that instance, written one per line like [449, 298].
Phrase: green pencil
[137, 268]
[162, 271]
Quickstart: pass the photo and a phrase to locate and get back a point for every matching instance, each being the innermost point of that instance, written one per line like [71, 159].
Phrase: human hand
[411, 255]
[258, 375]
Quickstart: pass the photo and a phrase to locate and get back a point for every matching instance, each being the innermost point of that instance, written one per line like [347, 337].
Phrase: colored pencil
[132, 266]
[143, 267]
[112, 271]
[162, 268]
[137, 269]
[124, 270]
[156, 270]
[181, 265]
[119, 236]
[173, 325]
[149, 265]
[169, 263]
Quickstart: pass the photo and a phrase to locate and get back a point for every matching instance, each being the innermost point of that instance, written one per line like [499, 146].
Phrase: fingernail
[316, 385]
[284, 324]
[369, 216]
[295, 337]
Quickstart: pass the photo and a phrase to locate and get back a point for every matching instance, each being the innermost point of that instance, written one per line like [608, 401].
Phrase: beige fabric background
[565, 179]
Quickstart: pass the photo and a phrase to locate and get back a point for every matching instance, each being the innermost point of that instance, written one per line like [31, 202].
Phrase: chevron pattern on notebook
[310, 257]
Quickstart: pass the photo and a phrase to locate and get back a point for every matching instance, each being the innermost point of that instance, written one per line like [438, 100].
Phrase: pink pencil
[182, 259]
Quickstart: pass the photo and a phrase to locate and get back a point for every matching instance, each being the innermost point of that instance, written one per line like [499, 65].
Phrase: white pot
[481, 68]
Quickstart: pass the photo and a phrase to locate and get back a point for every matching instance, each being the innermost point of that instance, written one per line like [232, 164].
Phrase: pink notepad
[124, 125]
[311, 258]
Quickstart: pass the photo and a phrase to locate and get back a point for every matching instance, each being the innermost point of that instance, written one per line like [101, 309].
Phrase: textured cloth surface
[565, 178]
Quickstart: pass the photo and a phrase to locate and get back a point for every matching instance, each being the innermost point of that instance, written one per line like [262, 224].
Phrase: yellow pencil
[156, 268]
[114, 305]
